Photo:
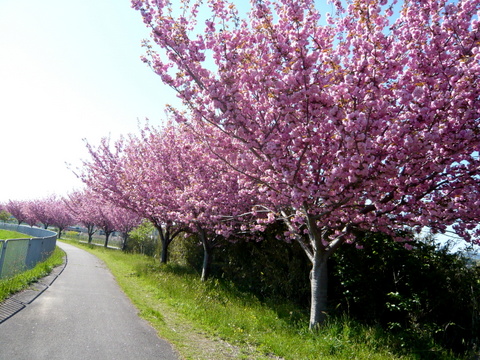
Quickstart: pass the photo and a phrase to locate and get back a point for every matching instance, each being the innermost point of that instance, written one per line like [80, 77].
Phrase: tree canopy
[366, 122]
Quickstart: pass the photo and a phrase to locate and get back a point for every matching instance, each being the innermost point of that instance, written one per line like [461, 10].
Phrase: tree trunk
[207, 256]
[165, 242]
[318, 288]
[166, 237]
[318, 251]
[125, 239]
[90, 231]
[164, 256]
[107, 235]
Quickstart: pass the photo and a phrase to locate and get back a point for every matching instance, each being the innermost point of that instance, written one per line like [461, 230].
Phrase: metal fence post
[3, 245]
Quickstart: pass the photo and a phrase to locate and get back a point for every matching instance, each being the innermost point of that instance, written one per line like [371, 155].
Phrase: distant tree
[93, 212]
[368, 122]
[81, 205]
[142, 240]
[30, 212]
[4, 215]
[105, 220]
[16, 208]
[39, 211]
[60, 215]
[123, 176]
[124, 221]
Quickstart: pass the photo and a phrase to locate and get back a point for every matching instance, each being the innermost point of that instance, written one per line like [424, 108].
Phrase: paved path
[82, 315]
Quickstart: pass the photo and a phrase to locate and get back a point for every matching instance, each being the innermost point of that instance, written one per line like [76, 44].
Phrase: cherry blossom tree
[60, 215]
[47, 211]
[39, 211]
[16, 209]
[93, 211]
[208, 200]
[124, 221]
[81, 205]
[168, 176]
[105, 219]
[30, 210]
[368, 121]
[123, 176]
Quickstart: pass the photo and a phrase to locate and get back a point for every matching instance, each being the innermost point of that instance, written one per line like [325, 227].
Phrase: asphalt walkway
[77, 313]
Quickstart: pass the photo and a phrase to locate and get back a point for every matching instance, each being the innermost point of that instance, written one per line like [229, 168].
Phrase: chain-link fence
[17, 255]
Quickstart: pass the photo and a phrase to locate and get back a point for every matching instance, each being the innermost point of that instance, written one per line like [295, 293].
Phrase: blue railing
[17, 255]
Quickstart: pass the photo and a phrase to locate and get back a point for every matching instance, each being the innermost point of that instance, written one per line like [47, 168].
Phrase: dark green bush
[421, 294]
[187, 250]
[261, 264]
[266, 266]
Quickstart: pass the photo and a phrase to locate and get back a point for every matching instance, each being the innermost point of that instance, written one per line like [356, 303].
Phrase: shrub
[424, 293]
[142, 240]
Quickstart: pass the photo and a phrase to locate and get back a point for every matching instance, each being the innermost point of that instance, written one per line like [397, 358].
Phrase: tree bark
[166, 237]
[164, 256]
[319, 289]
[90, 231]
[107, 235]
[125, 239]
[207, 255]
[165, 242]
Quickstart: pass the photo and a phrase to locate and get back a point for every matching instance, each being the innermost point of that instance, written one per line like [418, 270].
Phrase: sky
[69, 71]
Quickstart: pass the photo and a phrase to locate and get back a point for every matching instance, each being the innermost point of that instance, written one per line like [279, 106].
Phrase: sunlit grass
[21, 281]
[7, 234]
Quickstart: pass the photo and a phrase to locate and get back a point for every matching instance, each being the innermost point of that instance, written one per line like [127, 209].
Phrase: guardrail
[17, 255]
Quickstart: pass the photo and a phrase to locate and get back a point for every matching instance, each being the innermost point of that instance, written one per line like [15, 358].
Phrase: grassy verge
[21, 281]
[7, 234]
[213, 320]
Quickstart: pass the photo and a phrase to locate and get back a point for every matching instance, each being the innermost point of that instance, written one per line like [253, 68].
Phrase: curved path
[82, 315]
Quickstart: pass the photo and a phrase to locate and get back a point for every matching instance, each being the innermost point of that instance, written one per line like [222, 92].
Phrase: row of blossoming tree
[78, 208]
[49, 211]
[168, 177]
[367, 120]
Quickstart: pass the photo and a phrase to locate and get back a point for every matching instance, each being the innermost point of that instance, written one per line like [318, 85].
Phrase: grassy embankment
[7, 234]
[213, 320]
[21, 281]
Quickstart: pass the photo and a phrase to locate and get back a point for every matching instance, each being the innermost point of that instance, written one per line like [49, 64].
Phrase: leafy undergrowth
[213, 320]
[21, 281]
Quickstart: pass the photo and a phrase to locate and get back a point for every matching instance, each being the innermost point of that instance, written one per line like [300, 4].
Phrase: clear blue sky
[69, 70]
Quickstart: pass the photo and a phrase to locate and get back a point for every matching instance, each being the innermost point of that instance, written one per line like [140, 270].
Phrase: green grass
[21, 281]
[214, 320]
[7, 234]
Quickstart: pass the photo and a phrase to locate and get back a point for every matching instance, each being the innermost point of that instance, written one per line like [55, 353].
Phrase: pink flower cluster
[367, 123]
